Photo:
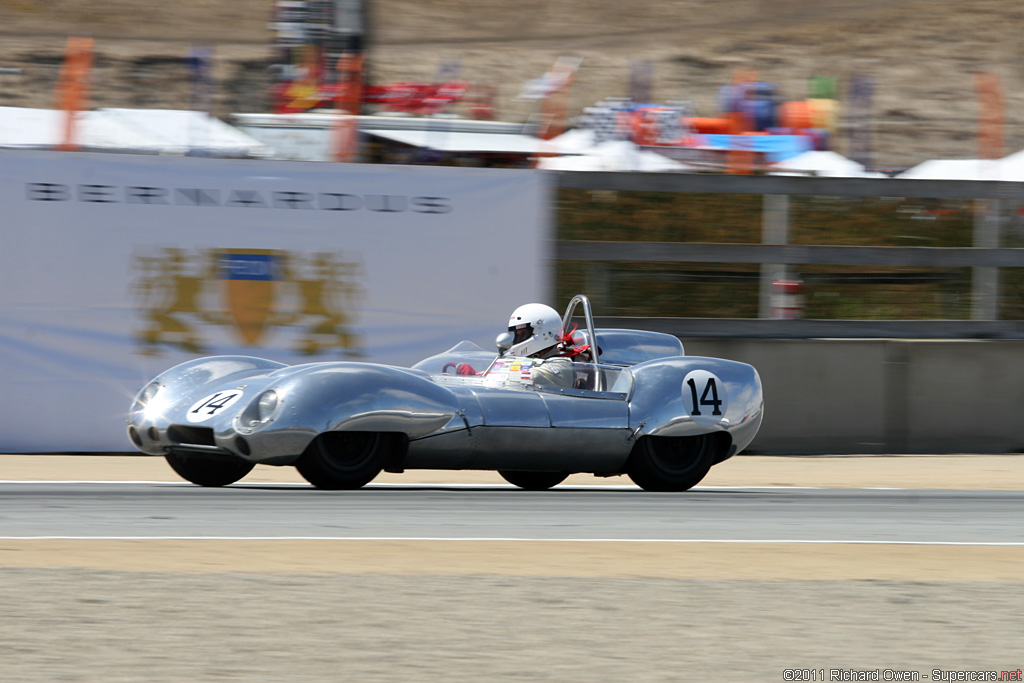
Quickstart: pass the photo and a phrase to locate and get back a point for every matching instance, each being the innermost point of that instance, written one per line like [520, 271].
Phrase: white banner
[114, 268]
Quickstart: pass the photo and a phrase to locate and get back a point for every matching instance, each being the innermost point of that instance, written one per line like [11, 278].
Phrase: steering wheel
[460, 369]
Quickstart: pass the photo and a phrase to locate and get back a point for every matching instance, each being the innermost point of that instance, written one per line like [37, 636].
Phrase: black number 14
[711, 390]
[214, 404]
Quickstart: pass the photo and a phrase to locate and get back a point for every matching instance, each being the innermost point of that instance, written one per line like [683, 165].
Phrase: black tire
[209, 470]
[533, 481]
[345, 460]
[673, 463]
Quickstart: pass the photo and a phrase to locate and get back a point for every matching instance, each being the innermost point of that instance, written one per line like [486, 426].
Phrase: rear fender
[695, 395]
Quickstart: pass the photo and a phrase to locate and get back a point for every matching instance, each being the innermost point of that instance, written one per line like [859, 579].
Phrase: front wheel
[665, 463]
[209, 470]
[346, 460]
[533, 481]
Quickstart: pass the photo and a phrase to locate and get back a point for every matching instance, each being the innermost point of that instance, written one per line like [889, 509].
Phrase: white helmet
[535, 327]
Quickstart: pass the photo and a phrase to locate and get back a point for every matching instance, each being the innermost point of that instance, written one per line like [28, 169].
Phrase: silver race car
[548, 404]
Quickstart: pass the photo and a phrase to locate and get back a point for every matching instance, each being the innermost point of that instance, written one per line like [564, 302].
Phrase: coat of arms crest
[183, 296]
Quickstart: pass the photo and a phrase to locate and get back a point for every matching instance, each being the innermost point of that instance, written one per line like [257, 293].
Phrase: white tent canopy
[150, 131]
[611, 155]
[44, 128]
[822, 163]
[1012, 167]
[182, 131]
[575, 141]
[957, 169]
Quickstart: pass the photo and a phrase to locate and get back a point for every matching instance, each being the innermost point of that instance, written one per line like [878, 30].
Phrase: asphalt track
[162, 510]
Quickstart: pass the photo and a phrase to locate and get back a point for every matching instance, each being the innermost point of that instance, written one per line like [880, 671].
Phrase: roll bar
[588, 317]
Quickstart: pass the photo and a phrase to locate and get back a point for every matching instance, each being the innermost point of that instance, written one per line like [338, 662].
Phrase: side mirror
[504, 342]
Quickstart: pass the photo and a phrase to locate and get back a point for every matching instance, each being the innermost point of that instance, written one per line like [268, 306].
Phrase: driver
[537, 333]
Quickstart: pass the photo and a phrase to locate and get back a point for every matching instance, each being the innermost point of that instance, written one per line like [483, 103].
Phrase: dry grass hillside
[922, 54]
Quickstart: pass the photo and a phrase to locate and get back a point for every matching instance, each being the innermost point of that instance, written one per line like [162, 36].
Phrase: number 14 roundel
[704, 396]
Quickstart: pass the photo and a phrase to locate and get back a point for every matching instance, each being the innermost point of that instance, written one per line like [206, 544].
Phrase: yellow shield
[250, 277]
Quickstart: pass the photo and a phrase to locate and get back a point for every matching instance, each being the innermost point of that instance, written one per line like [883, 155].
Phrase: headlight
[259, 412]
[147, 394]
[266, 405]
[148, 405]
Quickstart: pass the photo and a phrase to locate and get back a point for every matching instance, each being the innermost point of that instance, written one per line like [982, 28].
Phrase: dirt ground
[76, 610]
[74, 625]
[922, 55]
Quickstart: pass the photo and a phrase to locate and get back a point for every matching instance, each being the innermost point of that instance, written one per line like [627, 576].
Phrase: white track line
[516, 540]
[589, 487]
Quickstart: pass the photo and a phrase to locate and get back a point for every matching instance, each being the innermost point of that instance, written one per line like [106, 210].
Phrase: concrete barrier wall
[883, 395]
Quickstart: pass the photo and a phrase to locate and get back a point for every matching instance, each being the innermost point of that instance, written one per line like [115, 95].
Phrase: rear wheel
[209, 470]
[346, 460]
[533, 481]
[663, 463]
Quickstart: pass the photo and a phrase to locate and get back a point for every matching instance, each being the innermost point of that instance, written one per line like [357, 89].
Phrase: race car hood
[224, 397]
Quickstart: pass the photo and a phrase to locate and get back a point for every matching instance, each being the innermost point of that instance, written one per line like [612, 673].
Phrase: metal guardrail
[984, 258]
[789, 185]
[699, 252]
[763, 328]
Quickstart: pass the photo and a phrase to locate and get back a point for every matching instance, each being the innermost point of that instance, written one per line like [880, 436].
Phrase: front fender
[192, 376]
[364, 397]
[164, 396]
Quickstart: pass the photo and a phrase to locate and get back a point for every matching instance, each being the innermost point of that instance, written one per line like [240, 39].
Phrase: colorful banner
[311, 37]
[72, 91]
[553, 91]
[350, 94]
[115, 268]
[992, 117]
[609, 119]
